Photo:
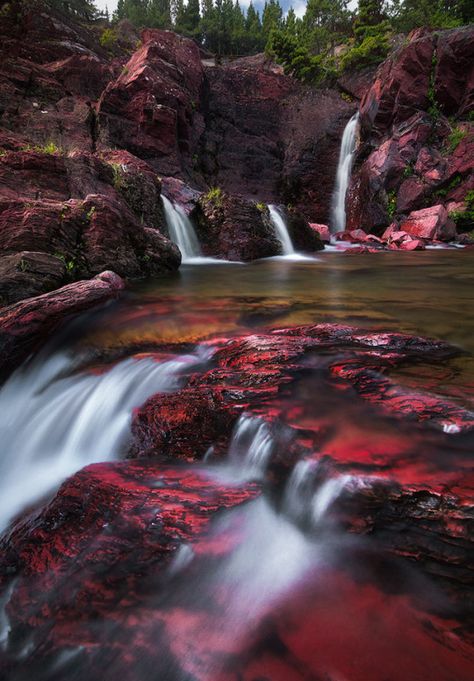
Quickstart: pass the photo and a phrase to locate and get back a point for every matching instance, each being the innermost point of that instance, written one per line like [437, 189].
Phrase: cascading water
[251, 447]
[181, 230]
[56, 423]
[281, 230]
[343, 176]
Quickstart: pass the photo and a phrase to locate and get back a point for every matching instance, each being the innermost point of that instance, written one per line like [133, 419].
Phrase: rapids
[253, 563]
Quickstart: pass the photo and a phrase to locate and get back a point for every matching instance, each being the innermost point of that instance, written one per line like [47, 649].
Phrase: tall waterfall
[281, 230]
[56, 421]
[343, 176]
[181, 230]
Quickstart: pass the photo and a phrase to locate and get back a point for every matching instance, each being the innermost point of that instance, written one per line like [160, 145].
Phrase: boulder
[303, 236]
[234, 228]
[25, 325]
[322, 230]
[429, 224]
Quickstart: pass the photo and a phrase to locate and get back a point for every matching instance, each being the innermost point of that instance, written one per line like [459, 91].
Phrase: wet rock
[25, 325]
[168, 424]
[303, 237]
[233, 228]
[103, 545]
[430, 224]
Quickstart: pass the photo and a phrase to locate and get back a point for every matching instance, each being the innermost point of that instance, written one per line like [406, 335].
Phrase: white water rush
[181, 230]
[55, 423]
[343, 176]
[281, 230]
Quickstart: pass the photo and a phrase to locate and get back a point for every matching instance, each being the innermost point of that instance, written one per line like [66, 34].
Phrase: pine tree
[159, 14]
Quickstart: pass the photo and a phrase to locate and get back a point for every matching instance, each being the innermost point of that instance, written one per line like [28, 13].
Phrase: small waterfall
[281, 230]
[343, 176]
[55, 423]
[181, 230]
[251, 447]
[309, 493]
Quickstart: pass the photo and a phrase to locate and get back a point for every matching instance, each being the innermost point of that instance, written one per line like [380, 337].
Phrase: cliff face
[417, 138]
[87, 136]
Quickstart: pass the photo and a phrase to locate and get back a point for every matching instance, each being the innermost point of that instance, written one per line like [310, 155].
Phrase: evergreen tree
[272, 17]
[159, 14]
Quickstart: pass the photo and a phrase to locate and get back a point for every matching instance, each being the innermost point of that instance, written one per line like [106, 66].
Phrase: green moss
[408, 171]
[433, 108]
[70, 263]
[262, 207]
[454, 138]
[215, 195]
[50, 148]
[90, 214]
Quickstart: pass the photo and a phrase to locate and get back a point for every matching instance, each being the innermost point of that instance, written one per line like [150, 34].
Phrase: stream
[271, 583]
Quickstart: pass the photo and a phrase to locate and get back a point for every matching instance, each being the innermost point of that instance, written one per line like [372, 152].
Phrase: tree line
[329, 38]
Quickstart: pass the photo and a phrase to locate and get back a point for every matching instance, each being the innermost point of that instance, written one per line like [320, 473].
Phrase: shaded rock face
[150, 108]
[268, 137]
[234, 228]
[25, 325]
[411, 157]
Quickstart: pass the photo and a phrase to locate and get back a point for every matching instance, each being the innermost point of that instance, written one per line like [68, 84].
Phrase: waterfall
[55, 423]
[310, 493]
[343, 176]
[281, 230]
[181, 230]
[251, 446]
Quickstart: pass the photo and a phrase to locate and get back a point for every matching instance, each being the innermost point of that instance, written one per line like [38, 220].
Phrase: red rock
[411, 195]
[412, 245]
[401, 85]
[453, 84]
[429, 223]
[430, 165]
[150, 108]
[323, 231]
[26, 324]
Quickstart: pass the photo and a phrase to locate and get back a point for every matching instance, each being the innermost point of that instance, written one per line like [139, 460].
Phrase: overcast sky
[299, 5]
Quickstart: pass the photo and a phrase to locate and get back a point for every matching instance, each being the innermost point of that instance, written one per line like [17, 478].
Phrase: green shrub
[391, 203]
[372, 50]
[215, 196]
[108, 39]
[50, 148]
[464, 219]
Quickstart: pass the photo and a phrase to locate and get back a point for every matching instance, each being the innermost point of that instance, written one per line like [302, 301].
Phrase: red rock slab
[110, 531]
[26, 324]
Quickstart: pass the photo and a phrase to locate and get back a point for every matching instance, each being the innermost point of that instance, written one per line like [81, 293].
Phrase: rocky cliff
[415, 158]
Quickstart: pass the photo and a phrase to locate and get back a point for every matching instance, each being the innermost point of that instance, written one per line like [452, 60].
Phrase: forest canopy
[329, 38]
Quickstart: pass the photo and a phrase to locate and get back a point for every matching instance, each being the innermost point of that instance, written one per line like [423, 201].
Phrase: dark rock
[28, 274]
[233, 228]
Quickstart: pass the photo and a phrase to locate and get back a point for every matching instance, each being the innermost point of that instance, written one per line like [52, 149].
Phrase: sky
[298, 5]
